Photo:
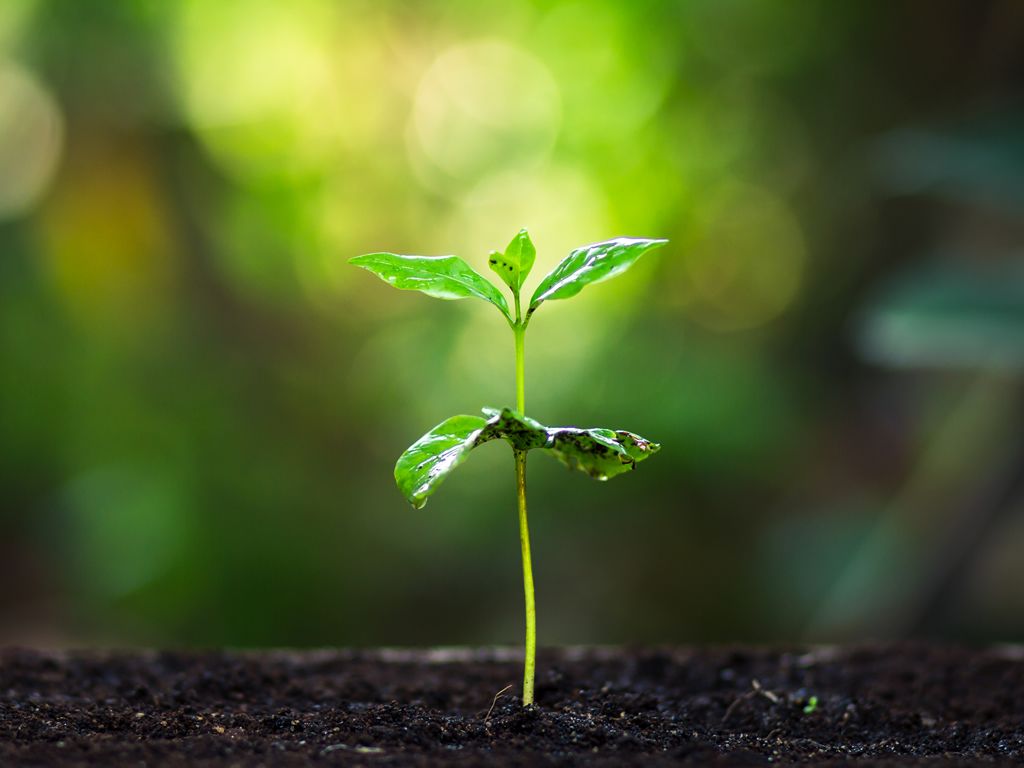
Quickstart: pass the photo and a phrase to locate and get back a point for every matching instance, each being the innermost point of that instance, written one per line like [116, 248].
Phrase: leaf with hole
[515, 263]
[600, 453]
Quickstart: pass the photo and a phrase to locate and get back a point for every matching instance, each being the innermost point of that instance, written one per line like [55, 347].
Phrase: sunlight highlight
[747, 264]
[480, 107]
[260, 86]
[31, 139]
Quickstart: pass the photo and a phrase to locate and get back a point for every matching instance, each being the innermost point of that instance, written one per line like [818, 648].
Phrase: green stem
[530, 662]
[520, 377]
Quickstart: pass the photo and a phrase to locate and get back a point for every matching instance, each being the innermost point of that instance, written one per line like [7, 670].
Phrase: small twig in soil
[496, 697]
[360, 749]
[764, 691]
[758, 690]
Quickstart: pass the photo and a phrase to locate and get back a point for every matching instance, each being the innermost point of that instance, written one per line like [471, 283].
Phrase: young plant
[601, 453]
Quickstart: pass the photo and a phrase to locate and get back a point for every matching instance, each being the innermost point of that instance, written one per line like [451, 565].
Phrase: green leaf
[521, 432]
[430, 459]
[601, 453]
[515, 264]
[591, 264]
[443, 277]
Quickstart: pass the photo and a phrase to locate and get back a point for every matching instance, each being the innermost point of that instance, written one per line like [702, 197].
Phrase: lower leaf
[430, 459]
[600, 453]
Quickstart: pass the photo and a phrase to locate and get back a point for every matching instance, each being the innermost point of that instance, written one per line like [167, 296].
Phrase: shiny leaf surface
[443, 277]
[591, 264]
[600, 453]
[515, 264]
[430, 459]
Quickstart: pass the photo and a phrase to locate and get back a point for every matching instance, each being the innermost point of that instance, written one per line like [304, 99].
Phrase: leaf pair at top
[601, 453]
[449, 277]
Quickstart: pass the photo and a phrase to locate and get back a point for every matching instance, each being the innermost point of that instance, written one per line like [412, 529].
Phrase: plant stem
[530, 664]
[520, 387]
[530, 661]
[520, 332]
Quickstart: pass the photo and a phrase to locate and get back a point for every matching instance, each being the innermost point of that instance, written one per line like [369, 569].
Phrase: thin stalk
[530, 662]
[520, 378]
[519, 329]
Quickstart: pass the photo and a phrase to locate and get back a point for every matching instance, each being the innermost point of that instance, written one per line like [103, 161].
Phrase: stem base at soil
[530, 663]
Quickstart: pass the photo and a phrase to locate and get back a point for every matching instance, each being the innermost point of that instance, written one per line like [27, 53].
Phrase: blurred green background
[201, 402]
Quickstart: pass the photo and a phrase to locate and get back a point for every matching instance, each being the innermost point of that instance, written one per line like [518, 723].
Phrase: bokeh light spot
[747, 263]
[608, 87]
[561, 206]
[482, 107]
[31, 139]
[106, 242]
[260, 85]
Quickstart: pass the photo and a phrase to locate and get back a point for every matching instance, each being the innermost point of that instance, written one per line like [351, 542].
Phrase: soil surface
[907, 705]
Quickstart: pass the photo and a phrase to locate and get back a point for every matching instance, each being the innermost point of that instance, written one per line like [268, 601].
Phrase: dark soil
[911, 705]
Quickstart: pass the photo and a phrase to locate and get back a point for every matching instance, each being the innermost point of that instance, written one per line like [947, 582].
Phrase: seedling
[601, 453]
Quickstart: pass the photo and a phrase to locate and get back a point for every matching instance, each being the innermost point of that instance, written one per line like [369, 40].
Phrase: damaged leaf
[600, 453]
[515, 263]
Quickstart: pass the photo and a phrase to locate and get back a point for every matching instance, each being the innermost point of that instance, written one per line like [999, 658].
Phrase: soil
[908, 705]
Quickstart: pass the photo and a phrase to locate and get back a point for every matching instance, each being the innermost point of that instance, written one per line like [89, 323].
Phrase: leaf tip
[367, 260]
